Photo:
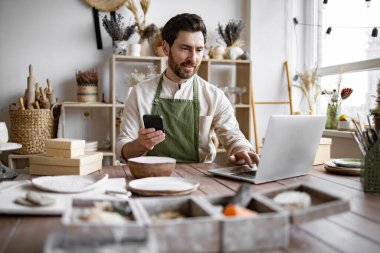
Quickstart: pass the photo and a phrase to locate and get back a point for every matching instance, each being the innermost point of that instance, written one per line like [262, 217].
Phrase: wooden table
[355, 231]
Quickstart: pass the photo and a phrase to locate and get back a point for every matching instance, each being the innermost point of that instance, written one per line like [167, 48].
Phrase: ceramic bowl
[151, 166]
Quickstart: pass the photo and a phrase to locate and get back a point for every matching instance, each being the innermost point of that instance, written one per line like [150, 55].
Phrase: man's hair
[183, 22]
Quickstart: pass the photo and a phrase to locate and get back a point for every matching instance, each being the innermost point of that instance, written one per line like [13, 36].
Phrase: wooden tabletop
[355, 231]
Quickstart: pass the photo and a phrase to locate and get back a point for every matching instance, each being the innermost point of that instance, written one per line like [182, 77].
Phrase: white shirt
[216, 114]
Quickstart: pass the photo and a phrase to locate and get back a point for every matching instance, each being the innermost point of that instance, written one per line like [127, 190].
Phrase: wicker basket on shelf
[31, 128]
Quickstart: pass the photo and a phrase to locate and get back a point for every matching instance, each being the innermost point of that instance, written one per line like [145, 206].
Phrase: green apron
[181, 124]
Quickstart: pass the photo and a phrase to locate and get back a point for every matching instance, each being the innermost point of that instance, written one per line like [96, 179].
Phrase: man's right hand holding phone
[149, 137]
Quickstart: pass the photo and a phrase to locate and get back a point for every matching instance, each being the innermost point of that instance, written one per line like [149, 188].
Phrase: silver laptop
[291, 143]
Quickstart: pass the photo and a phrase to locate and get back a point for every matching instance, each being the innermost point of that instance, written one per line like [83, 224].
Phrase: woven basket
[31, 128]
[371, 173]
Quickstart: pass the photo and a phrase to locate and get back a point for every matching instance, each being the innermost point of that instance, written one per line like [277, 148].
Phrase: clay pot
[218, 52]
[151, 166]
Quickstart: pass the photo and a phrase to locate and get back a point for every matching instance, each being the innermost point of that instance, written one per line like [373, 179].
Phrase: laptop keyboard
[247, 174]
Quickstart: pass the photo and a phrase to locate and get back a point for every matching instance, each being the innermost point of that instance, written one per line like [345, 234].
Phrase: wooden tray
[323, 203]
[331, 167]
[268, 230]
[197, 232]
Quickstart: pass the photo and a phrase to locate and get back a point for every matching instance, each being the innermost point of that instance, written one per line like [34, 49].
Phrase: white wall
[58, 37]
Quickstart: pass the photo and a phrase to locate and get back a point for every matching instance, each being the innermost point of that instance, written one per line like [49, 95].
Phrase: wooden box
[64, 153]
[82, 212]
[268, 230]
[198, 231]
[81, 165]
[64, 143]
[129, 234]
[323, 152]
[322, 205]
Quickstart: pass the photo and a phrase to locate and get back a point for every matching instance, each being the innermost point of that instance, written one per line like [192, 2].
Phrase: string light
[328, 31]
[368, 3]
[374, 32]
[324, 4]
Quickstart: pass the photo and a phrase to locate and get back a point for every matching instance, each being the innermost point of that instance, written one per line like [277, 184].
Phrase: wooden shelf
[86, 105]
[243, 78]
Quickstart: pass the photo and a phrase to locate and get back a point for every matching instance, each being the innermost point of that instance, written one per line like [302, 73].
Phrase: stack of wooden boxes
[65, 157]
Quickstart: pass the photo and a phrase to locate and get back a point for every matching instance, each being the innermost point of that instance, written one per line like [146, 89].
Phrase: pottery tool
[38, 93]
[31, 96]
[45, 104]
[50, 93]
[21, 101]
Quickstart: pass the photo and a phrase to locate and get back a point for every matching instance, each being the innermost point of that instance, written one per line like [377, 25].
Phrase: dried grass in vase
[231, 33]
[145, 31]
[87, 78]
[309, 87]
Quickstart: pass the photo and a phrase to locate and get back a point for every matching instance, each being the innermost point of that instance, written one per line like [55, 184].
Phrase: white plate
[9, 146]
[69, 184]
[163, 185]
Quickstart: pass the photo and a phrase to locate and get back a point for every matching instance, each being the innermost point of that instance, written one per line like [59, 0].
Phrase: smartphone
[154, 121]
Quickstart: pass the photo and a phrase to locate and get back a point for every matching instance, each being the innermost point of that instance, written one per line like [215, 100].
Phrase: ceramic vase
[3, 133]
[146, 48]
[332, 116]
[120, 47]
[134, 49]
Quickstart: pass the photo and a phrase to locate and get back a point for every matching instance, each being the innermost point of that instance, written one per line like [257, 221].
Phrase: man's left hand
[245, 157]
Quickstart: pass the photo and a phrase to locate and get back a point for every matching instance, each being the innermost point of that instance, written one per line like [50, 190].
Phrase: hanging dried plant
[231, 33]
[115, 28]
[87, 78]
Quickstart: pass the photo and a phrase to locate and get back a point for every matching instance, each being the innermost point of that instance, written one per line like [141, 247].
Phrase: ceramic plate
[152, 186]
[9, 146]
[347, 162]
[69, 184]
[331, 167]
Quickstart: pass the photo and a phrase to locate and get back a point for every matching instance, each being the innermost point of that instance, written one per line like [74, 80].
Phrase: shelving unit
[78, 105]
[240, 76]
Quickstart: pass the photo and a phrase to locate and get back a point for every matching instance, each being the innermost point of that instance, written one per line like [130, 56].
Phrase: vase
[134, 49]
[332, 117]
[120, 47]
[146, 48]
[3, 133]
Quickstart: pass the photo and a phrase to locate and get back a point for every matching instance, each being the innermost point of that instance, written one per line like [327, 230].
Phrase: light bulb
[324, 4]
[328, 31]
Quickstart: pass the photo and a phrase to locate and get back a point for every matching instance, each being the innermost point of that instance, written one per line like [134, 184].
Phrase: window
[350, 50]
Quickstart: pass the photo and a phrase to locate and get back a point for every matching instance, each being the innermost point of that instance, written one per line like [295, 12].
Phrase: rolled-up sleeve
[130, 124]
[227, 128]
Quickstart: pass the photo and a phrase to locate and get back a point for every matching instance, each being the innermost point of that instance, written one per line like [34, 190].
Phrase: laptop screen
[291, 142]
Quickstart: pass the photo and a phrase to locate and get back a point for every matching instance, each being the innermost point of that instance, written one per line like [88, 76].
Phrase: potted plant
[376, 111]
[119, 34]
[231, 36]
[335, 98]
[87, 82]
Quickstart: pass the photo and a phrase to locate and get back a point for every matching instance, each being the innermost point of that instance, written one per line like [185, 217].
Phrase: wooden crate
[71, 216]
[197, 232]
[323, 203]
[268, 230]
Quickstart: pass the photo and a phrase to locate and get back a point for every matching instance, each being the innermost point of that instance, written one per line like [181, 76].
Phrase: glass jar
[332, 117]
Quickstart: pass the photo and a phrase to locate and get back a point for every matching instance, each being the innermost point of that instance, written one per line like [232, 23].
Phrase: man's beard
[176, 68]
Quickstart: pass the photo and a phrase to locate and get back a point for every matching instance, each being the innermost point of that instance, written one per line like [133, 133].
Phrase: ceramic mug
[3, 133]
